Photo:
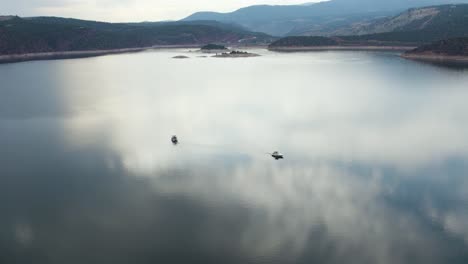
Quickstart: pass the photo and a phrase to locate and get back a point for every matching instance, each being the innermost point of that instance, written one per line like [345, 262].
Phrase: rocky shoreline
[349, 48]
[436, 58]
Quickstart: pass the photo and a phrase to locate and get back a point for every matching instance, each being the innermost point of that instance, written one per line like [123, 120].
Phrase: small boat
[277, 156]
[175, 140]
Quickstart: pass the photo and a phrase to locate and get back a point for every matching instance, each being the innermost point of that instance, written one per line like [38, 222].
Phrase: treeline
[49, 34]
[450, 47]
[403, 38]
[304, 41]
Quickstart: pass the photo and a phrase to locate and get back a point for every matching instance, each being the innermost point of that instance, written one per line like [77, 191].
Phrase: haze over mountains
[315, 18]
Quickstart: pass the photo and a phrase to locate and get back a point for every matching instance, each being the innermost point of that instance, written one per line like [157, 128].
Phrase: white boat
[277, 156]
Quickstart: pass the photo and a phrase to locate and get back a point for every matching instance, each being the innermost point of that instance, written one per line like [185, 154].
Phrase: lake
[375, 168]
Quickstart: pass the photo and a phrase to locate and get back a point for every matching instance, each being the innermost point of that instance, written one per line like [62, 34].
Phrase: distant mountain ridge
[420, 25]
[411, 28]
[449, 18]
[314, 17]
[55, 34]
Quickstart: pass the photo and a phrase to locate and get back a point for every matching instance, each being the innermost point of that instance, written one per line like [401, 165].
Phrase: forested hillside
[49, 34]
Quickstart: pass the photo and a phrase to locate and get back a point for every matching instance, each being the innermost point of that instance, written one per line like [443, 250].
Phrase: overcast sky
[127, 10]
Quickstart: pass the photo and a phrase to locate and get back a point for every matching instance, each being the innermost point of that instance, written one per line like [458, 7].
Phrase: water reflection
[375, 170]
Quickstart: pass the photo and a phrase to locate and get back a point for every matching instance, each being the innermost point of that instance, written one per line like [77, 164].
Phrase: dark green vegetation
[450, 47]
[324, 18]
[411, 28]
[51, 34]
[303, 41]
[213, 47]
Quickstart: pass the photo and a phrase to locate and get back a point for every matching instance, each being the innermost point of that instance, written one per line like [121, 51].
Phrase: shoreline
[437, 58]
[13, 58]
[344, 48]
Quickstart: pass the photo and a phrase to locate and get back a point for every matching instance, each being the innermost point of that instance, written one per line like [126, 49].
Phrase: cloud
[126, 10]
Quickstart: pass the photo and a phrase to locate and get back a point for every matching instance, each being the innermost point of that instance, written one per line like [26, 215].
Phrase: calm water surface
[376, 167]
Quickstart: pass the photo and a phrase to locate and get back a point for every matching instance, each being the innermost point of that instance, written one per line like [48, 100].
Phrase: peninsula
[444, 51]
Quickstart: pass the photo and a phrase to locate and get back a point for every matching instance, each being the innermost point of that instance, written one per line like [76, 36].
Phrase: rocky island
[223, 52]
[181, 57]
[443, 51]
[236, 54]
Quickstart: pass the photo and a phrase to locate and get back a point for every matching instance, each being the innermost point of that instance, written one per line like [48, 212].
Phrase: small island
[181, 57]
[236, 54]
[213, 48]
[443, 51]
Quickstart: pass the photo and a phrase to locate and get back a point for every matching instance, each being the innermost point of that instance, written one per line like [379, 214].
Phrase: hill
[314, 18]
[413, 27]
[450, 52]
[55, 34]
[451, 18]
[423, 25]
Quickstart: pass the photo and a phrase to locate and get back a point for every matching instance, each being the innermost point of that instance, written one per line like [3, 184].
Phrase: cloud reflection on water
[374, 171]
[362, 114]
[364, 119]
